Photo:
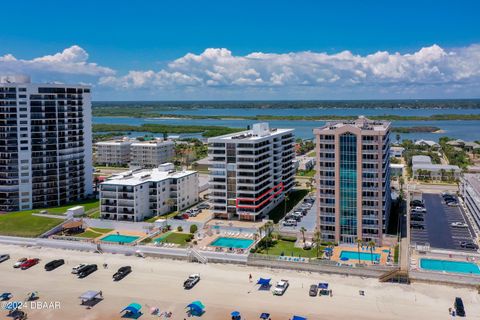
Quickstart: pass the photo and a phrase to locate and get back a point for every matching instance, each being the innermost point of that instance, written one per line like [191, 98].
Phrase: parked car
[468, 245]
[416, 203]
[289, 223]
[4, 257]
[416, 218]
[19, 262]
[203, 206]
[313, 292]
[459, 225]
[54, 264]
[178, 217]
[419, 209]
[78, 268]
[191, 281]
[459, 308]
[29, 263]
[91, 268]
[122, 273]
[280, 287]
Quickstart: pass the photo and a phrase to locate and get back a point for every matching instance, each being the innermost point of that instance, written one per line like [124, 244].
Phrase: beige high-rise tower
[353, 180]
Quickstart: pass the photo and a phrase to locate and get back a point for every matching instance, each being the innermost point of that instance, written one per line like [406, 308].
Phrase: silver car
[4, 257]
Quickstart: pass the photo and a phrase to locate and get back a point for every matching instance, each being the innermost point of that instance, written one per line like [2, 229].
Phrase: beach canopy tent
[264, 283]
[323, 285]
[265, 315]
[298, 318]
[196, 308]
[5, 296]
[133, 308]
[235, 314]
[90, 295]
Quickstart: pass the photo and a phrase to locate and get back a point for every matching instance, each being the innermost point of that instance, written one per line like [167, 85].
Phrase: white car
[289, 223]
[280, 287]
[77, 268]
[459, 225]
[419, 209]
[19, 262]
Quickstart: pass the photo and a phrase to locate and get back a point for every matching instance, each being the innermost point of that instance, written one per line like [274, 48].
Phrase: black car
[122, 273]
[91, 268]
[459, 307]
[417, 218]
[416, 203]
[191, 281]
[313, 292]
[54, 264]
[468, 245]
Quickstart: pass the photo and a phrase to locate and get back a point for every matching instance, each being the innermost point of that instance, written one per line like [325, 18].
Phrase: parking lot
[438, 230]
[308, 221]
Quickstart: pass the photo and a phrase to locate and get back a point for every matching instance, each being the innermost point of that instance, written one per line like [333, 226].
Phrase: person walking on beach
[250, 277]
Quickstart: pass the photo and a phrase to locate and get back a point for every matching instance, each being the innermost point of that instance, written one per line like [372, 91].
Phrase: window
[22, 89]
[24, 148]
[22, 96]
[23, 129]
[24, 161]
[22, 109]
[23, 122]
[24, 181]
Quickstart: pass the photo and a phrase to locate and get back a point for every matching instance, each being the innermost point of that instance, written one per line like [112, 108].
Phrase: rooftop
[258, 131]
[435, 167]
[421, 160]
[136, 177]
[362, 122]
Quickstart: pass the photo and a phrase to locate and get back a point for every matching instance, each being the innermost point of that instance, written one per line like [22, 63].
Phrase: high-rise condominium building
[353, 180]
[45, 144]
[250, 171]
[151, 154]
[136, 195]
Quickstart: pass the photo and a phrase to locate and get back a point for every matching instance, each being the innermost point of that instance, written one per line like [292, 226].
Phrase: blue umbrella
[235, 314]
[344, 258]
[265, 315]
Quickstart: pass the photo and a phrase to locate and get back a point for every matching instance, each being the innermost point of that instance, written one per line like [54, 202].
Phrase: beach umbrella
[344, 258]
[265, 315]
[235, 314]
[298, 318]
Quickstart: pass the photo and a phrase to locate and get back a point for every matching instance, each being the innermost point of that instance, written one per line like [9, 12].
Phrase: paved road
[438, 231]
[308, 221]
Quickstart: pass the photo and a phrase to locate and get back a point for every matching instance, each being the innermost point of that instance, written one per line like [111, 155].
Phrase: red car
[29, 263]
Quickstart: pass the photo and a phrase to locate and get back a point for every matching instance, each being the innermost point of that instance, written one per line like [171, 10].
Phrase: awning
[89, 295]
[132, 307]
[298, 318]
[265, 315]
[323, 285]
[263, 282]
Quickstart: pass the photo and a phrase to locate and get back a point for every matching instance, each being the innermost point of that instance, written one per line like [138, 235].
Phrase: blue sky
[140, 49]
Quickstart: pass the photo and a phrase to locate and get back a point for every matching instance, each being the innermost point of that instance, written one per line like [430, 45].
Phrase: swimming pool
[232, 243]
[353, 255]
[119, 238]
[449, 266]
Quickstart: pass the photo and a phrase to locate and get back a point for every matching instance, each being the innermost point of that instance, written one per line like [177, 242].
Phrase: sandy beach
[223, 288]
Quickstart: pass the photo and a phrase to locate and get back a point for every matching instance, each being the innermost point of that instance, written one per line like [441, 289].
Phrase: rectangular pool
[119, 238]
[237, 243]
[449, 266]
[353, 255]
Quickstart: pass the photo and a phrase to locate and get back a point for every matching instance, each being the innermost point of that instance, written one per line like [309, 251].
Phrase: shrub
[179, 229]
[193, 228]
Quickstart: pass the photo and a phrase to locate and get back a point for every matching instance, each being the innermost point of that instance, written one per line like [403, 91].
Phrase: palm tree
[359, 243]
[268, 228]
[170, 203]
[302, 230]
[285, 205]
[371, 245]
[317, 240]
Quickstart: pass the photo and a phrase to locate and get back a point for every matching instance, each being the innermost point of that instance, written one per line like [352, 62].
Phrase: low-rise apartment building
[136, 195]
[423, 168]
[151, 154]
[113, 153]
[250, 171]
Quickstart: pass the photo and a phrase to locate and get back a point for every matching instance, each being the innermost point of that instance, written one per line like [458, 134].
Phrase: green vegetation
[416, 129]
[186, 154]
[178, 238]
[87, 204]
[396, 253]
[413, 150]
[304, 146]
[193, 228]
[287, 248]
[311, 154]
[92, 233]
[25, 224]
[206, 131]
[306, 173]
[293, 198]
[107, 136]
[454, 155]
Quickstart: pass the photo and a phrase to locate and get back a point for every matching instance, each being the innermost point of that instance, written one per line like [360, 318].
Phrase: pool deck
[378, 250]
[204, 241]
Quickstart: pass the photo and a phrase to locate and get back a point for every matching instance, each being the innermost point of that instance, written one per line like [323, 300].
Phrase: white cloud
[217, 73]
[216, 68]
[71, 61]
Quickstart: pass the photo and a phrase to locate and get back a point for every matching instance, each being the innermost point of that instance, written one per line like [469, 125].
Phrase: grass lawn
[178, 238]
[24, 224]
[288, 249]
[311, 154]
[87, 204]
[308, 173]
[94, 214]
[293, 198]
